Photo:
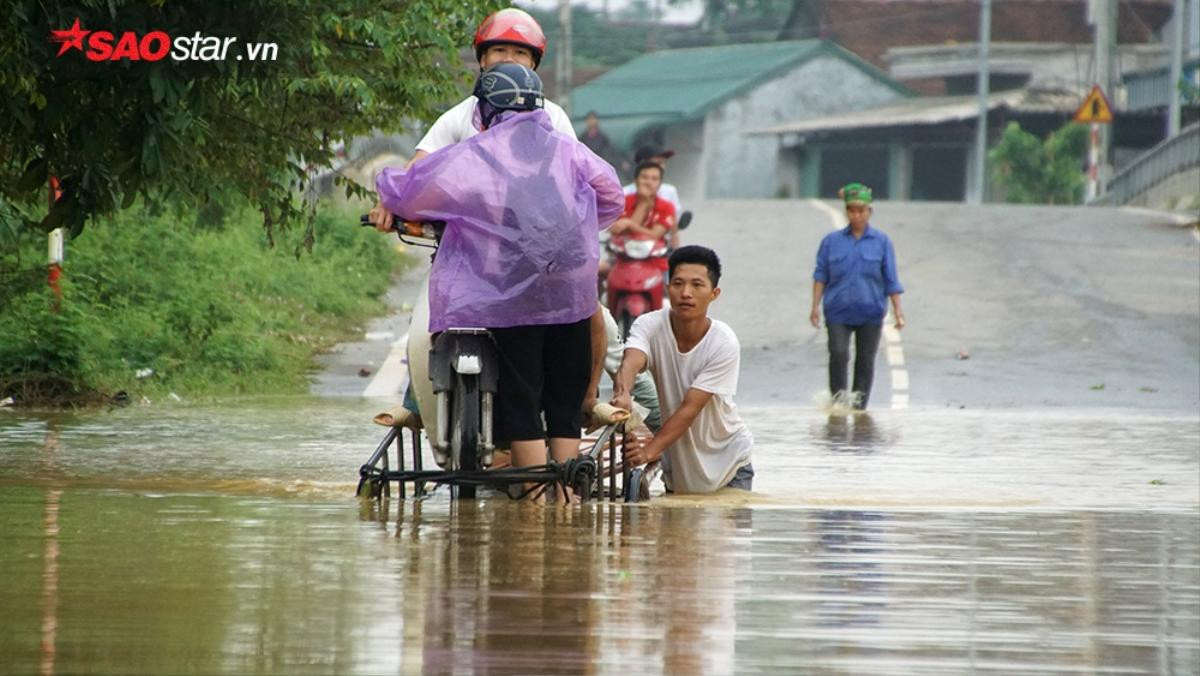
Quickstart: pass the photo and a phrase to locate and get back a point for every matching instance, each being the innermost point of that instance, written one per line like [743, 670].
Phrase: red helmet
[511, 26]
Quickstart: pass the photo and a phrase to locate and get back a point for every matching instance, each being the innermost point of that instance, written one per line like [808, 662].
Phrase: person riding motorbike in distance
[667, 191]
[507, 36]
[646, 216]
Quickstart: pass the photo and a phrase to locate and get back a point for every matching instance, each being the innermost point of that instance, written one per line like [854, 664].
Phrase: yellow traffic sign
[1095, 108]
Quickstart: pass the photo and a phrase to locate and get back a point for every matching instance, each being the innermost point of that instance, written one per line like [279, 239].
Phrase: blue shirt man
[854, 278]
[859, 274]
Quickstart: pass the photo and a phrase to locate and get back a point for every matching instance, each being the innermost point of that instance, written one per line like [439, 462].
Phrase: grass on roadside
[198, 310]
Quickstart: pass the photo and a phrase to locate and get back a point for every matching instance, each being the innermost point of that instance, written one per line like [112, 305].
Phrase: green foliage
[1033, 171]
[209, 311]
[114, 131]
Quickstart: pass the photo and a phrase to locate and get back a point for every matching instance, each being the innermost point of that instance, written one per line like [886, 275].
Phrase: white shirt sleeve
[558, 117]
[640, 337]
[452, 126]
[720, 374]
[615, 349]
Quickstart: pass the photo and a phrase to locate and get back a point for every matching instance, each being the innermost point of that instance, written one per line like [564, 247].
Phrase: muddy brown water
[225, 539]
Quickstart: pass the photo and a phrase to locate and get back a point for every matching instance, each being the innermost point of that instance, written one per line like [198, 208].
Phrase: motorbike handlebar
[425, 229]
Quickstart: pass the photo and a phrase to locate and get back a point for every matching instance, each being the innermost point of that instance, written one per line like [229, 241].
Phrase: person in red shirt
[646, 215]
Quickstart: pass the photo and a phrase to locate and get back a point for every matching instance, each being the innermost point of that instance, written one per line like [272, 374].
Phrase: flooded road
[226, 539]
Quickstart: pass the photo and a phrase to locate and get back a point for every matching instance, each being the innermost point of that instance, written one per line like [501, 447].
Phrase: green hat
[856, 193]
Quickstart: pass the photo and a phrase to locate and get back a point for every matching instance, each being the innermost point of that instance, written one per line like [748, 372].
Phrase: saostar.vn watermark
[157, 45]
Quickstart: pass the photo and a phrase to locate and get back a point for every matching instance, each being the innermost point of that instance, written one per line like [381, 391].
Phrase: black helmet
[510, 86]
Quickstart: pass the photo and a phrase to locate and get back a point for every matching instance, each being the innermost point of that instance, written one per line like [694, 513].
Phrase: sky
[681, 12]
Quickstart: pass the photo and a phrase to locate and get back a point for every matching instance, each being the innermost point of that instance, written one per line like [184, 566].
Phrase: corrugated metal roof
[684, 84]
[935, 110]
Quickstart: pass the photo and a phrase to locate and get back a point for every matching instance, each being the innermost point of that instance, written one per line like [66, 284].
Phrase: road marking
[834, 215]
[895, 350]
[372, 336]
[392, 376]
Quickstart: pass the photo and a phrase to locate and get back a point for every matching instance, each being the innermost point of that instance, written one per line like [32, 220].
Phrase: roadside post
[1095, 110]
[54, 249]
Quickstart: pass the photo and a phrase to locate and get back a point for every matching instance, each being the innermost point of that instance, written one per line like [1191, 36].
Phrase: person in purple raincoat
[523, 205]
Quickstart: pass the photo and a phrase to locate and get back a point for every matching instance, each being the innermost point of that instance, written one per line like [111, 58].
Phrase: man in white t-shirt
[703, 443]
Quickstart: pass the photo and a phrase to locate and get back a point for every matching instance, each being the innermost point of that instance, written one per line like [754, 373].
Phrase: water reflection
[505, 587]
[251, 585]
[851, 580]
[220, 541]
[855, 433]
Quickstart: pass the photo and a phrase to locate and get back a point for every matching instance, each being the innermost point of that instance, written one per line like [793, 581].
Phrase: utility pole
[562, 64]
[1178, 22]
[979, 189]
[1103, 14]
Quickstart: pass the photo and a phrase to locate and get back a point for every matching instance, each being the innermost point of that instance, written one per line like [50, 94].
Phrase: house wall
[736, 165]
[1036, 64]
[686, 169]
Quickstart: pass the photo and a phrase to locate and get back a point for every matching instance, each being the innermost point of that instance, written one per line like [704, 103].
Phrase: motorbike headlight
[639, 248]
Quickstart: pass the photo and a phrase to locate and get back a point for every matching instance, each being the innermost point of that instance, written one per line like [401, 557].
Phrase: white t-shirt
[717, 443]
[665, 191]
[460, 123]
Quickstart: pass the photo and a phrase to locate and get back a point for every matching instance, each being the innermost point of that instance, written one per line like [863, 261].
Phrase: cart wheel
[370, 483]
[582, 476]
[370, 487]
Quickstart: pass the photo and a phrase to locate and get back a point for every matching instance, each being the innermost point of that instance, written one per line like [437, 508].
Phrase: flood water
[226, 539]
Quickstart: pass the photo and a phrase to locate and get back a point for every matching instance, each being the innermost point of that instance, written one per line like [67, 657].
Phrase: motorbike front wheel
[465, 428]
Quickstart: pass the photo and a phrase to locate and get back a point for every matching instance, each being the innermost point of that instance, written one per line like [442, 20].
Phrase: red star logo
[70, 39]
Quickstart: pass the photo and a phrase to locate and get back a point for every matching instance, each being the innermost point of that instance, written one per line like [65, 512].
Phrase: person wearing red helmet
[509, 35]
[513, 27]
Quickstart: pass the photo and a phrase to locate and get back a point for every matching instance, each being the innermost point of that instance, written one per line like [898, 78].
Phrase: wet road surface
[1056, 307]
[225, 539]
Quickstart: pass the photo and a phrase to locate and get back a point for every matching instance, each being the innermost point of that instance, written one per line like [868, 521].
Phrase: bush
[210, 311]
[1033, 171]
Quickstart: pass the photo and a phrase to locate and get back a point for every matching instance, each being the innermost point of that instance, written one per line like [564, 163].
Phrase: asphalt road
[1055, 306]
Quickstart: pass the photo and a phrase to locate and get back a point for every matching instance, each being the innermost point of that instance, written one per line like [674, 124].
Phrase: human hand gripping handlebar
[423, 229]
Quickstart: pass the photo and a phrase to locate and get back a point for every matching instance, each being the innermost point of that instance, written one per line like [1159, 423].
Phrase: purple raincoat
[522, 205]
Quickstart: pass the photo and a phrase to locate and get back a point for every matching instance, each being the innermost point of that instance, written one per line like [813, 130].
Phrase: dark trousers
[866, 343]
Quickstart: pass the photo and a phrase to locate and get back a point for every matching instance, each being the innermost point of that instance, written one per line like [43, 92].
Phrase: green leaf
[34, 175]
[157, 85]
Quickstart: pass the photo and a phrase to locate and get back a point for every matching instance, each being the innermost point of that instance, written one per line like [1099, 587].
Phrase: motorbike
[635, 281]
[463, 367]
